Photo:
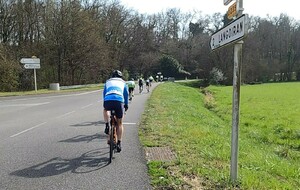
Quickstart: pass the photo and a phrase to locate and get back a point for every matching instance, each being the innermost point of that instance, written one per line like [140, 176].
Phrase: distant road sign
[32, 66]
[30, 60]
[226, 2]
[234, 31]
[232, 11]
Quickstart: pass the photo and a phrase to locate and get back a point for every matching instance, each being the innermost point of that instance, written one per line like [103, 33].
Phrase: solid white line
[52, 96]
[65, 114]
[24, 105]
[28, 129]
[86, 106]
[129, 123]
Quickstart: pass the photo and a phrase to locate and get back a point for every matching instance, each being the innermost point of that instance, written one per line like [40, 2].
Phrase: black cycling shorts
[130, 89]
[114, 105]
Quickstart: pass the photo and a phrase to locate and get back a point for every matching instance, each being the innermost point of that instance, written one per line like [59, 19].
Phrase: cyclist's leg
[130, 93]
[106, 116]
[119, 116]
[119, 129]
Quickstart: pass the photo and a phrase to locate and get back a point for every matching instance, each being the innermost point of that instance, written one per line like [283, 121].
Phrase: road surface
[57, 142]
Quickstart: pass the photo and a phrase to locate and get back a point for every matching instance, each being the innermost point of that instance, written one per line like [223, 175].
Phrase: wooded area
[82, 41]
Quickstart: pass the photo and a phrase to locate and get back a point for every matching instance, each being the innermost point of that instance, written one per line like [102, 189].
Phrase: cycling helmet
[117, 73]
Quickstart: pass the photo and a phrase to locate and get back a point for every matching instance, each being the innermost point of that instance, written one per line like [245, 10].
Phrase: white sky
[260, 8]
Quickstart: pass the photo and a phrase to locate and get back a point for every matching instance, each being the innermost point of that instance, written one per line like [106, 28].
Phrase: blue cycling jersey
[116, 89]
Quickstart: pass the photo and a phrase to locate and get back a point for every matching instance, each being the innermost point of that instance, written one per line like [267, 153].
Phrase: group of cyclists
[148, 83]
[116, 96]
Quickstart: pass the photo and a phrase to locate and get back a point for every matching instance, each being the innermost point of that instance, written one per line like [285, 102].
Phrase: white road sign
[234, 31]
[226, 2]
[30, 60]
[32, 66]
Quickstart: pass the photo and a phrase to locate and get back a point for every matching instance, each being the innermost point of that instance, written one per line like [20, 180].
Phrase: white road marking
[65, 114]
[28, 130]
[24, 105]
[86, 106]
[50, 96]
[125, 123]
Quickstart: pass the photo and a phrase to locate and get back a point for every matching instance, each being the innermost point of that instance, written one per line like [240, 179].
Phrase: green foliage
[80, 43]
[170, 67]
[125, 75]
[269, 139]
[9, 71]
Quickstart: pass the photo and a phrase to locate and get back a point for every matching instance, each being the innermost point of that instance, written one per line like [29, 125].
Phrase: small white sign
[234, 31]
[30, 60]
[32, 66]
[226, 2]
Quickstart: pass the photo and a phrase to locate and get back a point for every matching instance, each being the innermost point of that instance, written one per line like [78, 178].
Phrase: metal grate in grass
[159, 154]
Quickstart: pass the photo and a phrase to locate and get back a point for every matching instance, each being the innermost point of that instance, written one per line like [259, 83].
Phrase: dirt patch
[209, 101]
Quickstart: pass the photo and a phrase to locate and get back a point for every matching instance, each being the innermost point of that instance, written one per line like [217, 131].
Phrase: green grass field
[196, 124]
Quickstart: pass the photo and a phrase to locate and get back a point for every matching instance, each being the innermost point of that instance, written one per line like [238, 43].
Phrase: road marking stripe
[17, 105]
[27, 130]
[125, 123]
[86, 106]
[58, 117]
[51, 96]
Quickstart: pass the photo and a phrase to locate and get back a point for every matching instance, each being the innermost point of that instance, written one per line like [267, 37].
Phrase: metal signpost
[32, 63]
[234, 32]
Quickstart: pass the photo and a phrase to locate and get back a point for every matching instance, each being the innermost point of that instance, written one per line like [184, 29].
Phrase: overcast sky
[252, 7]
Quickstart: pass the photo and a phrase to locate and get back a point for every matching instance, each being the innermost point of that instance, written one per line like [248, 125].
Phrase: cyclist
[141, 83]
[151, 79]
[148, 85]
[131, 86]
[115, 95]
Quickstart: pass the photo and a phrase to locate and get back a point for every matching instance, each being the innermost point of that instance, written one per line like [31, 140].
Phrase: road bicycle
[141, 88]
[148, 88]
[112, 135]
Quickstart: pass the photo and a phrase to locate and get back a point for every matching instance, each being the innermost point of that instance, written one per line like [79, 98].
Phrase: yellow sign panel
[232, 11]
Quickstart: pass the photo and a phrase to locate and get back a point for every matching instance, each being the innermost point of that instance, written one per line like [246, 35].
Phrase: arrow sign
[233, 32]
[30, 60]
[32, 66]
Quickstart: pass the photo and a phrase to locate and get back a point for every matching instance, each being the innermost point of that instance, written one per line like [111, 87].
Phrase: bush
[216, 76]
[9, 72]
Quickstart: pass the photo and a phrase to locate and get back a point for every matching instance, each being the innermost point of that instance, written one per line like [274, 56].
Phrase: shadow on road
[86, 163]
[88, 123]
[85, 138]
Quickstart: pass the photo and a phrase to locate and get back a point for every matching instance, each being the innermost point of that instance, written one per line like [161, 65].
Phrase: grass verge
[197, 127]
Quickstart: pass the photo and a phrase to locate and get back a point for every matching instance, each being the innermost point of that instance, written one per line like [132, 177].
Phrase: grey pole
[235, 111]
[236, 102]
[35, 86]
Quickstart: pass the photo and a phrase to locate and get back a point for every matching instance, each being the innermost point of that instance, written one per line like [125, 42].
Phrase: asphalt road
[57, 142]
